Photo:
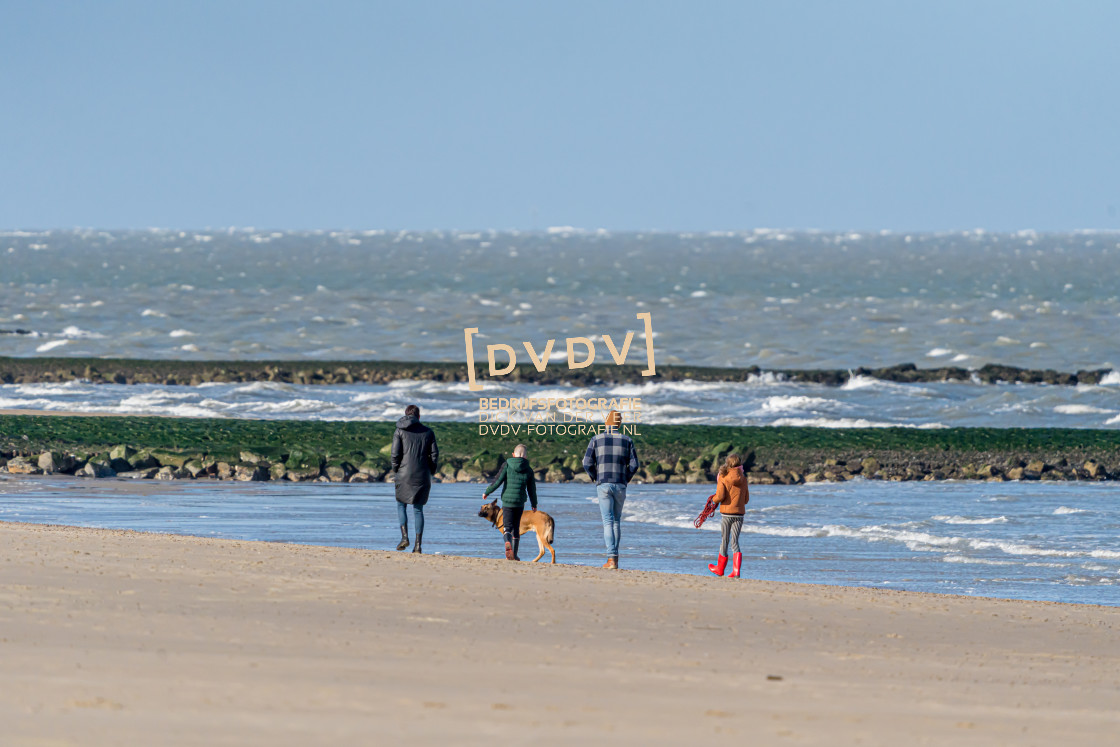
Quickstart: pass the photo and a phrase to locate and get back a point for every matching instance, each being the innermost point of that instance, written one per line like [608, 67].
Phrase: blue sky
[620, 115]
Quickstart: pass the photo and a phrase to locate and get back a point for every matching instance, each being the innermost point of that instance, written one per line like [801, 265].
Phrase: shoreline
[115, 636]
[46, 369]
[807, 586]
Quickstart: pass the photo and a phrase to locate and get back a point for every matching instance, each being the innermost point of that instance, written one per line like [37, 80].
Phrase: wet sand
[115, 637]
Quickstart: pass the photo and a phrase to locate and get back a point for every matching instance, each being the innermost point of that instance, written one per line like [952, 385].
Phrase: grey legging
[729, 527]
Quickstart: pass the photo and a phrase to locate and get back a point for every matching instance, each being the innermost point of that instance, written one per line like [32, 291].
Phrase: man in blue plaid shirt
[611, 461]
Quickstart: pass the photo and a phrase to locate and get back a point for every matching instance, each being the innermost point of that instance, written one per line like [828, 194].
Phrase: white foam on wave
[795, 402]
[449, 387]
[1061, 510]
[64, 389]
[258, 387]
[180, 333]
[26, 404]
[51, 345]
[853, 423]
[1112, 378]
[1081, 410]
[976, 561]
[1001, 315]
[939, 353]
[75, 333]
[966, 520]
[156, 398]
[924, 541]
[862, 382]
[293, 405]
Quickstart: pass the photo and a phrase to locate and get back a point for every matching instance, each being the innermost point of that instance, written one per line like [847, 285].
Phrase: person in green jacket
[518, 479]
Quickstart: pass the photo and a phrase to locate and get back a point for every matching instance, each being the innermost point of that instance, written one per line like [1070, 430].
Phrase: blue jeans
[611, 497]
[417, 511]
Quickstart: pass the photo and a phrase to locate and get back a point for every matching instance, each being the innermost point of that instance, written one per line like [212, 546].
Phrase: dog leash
[709, 509]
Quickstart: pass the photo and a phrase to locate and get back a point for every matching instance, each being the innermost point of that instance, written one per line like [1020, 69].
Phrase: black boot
[416, 547]
[516, 542]
[404, 539]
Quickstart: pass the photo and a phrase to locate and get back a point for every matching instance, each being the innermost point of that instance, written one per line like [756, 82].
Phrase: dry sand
[112, 637]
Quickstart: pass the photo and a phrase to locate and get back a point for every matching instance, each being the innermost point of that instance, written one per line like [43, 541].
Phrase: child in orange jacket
[731, 496]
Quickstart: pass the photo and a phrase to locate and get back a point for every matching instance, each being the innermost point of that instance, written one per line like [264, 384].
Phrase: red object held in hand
[709, 509]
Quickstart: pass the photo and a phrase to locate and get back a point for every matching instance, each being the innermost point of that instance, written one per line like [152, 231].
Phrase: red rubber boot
[736, 561]
[718, 566]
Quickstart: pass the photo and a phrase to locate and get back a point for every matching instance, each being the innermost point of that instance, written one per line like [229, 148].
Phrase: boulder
[464, 476]
[987, 471]
[52, 462]
[23, 466]
[581, 477]
[223, 470]
[700, 464]
[1093, 469]
[170, 473]
[96, 469]
[277, 471]
[143, 460]
[195, 469]
[695, 477]
[139, 474]
[719, 451]
[760, 478]
[301, 472]
[122, 452]
[360, 477]
[1034, 470]
[869, 466]
[676, 479]
[557, 473]
[170, 458]
[811, 477]
[338, 471]
[1015, 473]
[249, 472]
[252, 457]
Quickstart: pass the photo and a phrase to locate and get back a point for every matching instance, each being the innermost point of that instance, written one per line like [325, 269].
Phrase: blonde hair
[730, 463]
[520, 450]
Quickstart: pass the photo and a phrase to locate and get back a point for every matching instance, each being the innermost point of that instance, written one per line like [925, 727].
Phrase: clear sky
[621, 115]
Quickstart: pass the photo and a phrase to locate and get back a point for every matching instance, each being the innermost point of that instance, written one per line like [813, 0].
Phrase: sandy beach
[115, 637]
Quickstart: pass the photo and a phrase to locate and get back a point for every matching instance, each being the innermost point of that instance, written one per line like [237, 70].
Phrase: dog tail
[551, 530]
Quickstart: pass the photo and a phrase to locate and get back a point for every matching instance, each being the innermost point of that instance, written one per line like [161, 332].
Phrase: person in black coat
[414, 459]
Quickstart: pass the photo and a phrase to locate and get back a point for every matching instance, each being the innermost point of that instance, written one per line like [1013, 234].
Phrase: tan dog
[531, 521]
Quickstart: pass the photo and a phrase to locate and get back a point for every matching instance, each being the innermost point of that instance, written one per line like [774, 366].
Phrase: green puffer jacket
[518, 480]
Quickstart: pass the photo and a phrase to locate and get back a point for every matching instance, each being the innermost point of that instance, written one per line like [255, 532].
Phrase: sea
[769, 298]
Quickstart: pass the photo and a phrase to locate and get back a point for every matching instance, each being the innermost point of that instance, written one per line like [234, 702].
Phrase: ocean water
[772, 298]
[1039, 541]
[769, 298]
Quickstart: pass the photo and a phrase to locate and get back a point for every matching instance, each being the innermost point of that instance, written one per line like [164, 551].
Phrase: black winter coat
[414, 459]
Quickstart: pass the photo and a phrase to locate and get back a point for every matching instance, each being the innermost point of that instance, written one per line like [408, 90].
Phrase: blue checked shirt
[611, 458]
